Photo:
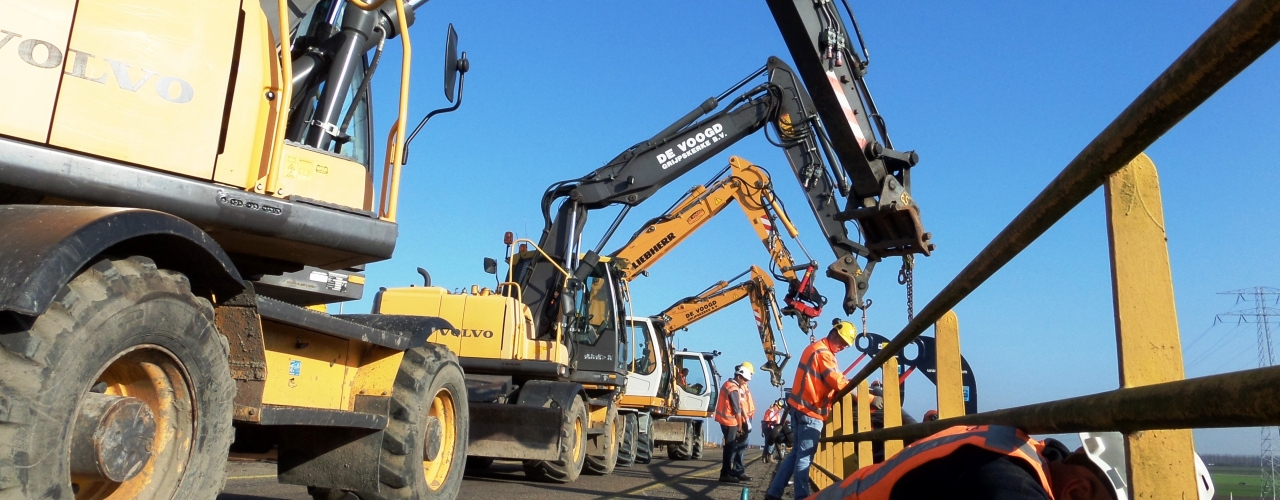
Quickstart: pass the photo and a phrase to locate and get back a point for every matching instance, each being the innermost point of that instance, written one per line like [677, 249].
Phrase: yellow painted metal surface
[322, 176]
[246, 149]
[154, 91]
[377, 371]
[641, 401]
[1150, 352]
[305, 368]
[892, 405]
[692, 413]
[865, 453]
[946, 333]
[33, 55]
[484, 326]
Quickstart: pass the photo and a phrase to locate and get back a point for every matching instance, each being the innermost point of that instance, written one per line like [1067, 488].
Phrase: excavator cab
[697, 386]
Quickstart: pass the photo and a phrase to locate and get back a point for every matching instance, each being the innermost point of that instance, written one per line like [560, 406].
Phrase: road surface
[248, 480]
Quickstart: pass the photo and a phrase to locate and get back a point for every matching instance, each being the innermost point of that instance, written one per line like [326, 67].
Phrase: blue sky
[996, 97]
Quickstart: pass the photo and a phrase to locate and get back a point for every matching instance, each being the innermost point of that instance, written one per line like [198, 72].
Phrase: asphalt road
[660, 479]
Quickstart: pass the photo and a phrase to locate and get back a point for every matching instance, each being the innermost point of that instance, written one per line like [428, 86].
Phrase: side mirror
[490, 265]
[450, 62]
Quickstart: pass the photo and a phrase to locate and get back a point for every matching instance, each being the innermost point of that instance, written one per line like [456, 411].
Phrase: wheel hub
[434, 439]
[112, 439]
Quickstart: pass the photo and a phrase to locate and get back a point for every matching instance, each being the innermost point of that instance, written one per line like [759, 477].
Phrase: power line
[1260, 315]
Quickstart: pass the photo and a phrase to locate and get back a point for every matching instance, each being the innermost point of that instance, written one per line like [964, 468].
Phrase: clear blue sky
[996, 98]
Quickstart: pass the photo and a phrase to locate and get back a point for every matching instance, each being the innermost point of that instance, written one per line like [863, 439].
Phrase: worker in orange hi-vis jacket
[817, 379]
[734, 410]
[999, 463]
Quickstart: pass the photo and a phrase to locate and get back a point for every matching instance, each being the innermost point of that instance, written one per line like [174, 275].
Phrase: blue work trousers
[806, 430]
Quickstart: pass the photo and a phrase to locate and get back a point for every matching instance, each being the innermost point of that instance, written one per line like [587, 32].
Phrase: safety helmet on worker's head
[846, 331]
[1105, 451]
[745, 370]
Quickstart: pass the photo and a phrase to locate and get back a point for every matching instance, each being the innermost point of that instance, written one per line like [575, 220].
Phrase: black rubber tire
[682, 450]
[108, 309]
[424, 372]
[644, 445]
[699, 441]
[609, 441]
[568, 467]
[627, 449]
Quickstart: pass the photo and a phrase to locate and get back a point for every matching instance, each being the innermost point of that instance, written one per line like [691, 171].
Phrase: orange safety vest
[724, 411]
[876, 482]
[817, 378]
[773, 415]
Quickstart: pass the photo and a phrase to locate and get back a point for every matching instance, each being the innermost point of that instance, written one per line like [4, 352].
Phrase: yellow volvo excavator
[178, 182]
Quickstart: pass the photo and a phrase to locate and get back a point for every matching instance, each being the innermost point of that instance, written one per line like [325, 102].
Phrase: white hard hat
[1106, 451]
[745, 370]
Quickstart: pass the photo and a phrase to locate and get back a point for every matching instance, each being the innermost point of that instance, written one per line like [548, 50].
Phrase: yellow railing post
[865, 453]
[848, 451]
[892, 405]
[946, 334]
[1160, 463]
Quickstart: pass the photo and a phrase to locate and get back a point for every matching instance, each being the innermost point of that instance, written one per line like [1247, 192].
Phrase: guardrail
[1154, 406]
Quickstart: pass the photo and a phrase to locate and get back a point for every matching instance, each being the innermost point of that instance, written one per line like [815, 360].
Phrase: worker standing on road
[817, 379]
[734, 411]
[770, 425]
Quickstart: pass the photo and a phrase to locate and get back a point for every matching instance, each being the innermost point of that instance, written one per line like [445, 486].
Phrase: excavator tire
[573, 449]
[699, 440]
[644, 445]
[627, 449]
[609, 441]
[428, 416]
[684, 449]
[122, 326]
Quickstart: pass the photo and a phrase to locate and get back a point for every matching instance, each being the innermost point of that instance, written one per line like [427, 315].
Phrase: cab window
[690, 376]
[646, 354]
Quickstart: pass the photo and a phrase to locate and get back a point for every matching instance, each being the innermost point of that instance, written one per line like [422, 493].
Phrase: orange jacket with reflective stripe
[817, 378]
[773, 416]
[724, 407]
[876, 482]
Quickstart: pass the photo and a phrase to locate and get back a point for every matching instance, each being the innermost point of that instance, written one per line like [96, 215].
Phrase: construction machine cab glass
[594, 329]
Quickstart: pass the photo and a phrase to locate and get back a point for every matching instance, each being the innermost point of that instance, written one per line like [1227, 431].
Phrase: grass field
[1227, 482]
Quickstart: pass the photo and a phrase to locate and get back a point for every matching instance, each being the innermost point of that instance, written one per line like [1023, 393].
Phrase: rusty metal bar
[1240, 36]
[1249, 398]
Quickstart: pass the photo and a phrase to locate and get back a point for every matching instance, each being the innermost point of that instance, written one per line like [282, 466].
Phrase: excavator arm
[759, 288]
[752, 188]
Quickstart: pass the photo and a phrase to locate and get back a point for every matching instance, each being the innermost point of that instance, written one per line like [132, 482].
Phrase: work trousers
[734, 444]
[806, 431]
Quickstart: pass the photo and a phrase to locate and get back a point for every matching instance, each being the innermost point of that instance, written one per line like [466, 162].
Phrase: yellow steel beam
[946, 335]
[865, 454]
[892, 405]
[1160, 462]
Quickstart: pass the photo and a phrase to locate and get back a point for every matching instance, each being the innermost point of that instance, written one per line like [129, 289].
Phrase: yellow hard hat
[846, 331]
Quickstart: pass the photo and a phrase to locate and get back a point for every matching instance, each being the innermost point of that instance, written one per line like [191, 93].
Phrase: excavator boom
[759, 288]
[751, 187]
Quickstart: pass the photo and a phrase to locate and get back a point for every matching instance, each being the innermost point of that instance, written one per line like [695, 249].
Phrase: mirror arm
[462, 82]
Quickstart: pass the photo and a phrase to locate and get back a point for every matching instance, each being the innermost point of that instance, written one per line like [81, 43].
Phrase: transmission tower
[1261, 315]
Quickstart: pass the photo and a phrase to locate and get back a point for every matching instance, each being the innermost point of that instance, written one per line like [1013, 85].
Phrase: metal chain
[906, 276]
[864, 321]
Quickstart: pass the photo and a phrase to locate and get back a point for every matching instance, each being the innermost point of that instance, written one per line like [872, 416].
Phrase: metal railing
[1153, 397]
